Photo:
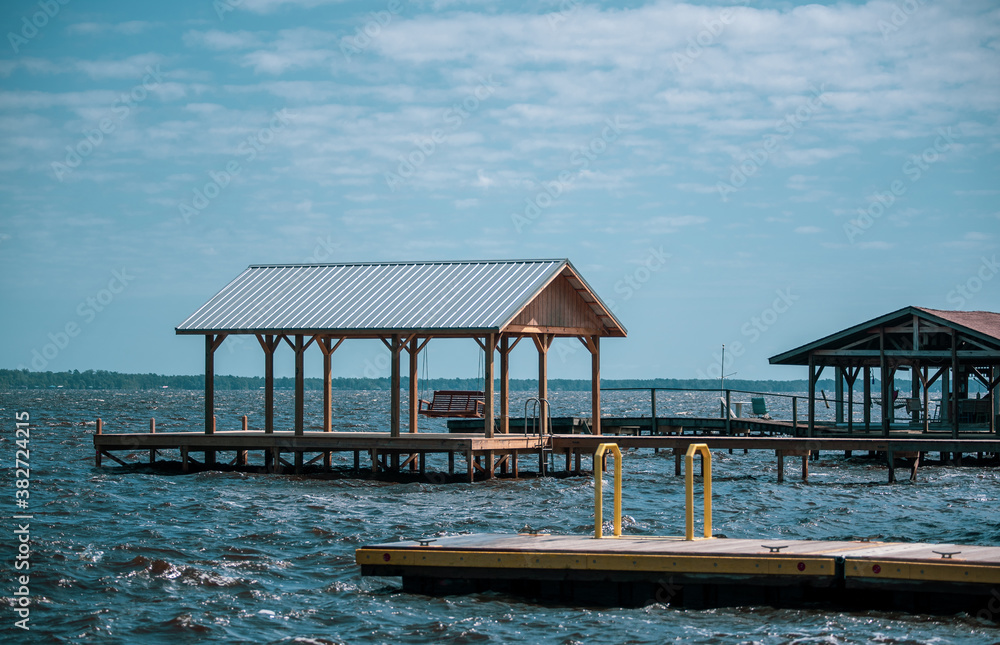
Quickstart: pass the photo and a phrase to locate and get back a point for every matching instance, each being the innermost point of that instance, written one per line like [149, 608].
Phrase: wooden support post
[729, 415]
[210, 346]
[576, 453]
[595, 386]
[489, 348]
[357, 461]
[471, 464]
[394, 384]
[956, 387]
[868, 399]
[781, 466]
[913, 467]
[812, 395]
[451, 462]
[838, 393]
[887, 386]
[152, 451]
[505, 384]
[299, 386]
[373, 454]
[542, 343]
[851, 376]
[276, 460]
[995, 402]
[413, 354]
[268, 343]
[328, 348]
[298, 462]
[97, 453]
[795, 416]
[677, 462]
[805, 468]
[490, 457]
[210, 454]
[890, 458]
[185, 466]
[655, 427]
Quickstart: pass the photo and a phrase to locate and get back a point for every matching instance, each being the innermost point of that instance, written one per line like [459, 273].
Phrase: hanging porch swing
[452, 404]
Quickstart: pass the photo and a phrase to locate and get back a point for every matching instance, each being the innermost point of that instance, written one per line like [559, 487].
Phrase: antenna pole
[722, 373]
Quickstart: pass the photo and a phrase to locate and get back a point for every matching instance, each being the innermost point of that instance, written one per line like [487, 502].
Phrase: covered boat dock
[933, 345]
[405, 305]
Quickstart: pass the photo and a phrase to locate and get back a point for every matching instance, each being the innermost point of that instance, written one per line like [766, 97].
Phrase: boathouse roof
[978, 338]
[377, 298]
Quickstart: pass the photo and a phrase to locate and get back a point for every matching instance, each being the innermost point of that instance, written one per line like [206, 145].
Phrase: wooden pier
[503, 454]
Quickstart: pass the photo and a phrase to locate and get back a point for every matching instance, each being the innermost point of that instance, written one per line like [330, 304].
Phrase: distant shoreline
[105, 380]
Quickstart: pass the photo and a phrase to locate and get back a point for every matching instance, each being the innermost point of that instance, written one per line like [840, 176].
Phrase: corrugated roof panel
[376, 296]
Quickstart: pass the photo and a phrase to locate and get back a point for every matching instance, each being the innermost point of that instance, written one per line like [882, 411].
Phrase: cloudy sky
[753, 174]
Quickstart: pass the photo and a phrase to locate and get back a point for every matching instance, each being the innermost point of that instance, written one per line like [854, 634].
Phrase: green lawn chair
[759, 407]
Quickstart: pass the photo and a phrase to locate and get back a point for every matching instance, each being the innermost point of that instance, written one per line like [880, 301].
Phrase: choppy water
[143, 556]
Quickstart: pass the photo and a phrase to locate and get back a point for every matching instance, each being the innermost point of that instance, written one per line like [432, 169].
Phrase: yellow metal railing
[706, 463]
[599, 493]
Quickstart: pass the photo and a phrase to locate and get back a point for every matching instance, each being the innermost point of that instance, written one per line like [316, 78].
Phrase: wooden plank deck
[503, 450]
[697, 573]
[482, 454]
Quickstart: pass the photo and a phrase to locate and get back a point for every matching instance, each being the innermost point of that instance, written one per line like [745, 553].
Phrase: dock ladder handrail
[599, 492]
[536, 426]
[706, 463]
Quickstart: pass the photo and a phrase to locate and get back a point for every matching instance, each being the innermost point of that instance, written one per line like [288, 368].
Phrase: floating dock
[694, 572]
[631, 571]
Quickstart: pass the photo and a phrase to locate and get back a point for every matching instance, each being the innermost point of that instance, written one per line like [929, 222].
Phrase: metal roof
[982, 324]
[390, 297]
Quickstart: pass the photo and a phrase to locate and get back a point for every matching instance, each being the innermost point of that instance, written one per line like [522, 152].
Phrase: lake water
[142, 556]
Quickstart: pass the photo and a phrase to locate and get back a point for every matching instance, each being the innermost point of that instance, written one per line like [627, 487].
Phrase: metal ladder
[540, 406]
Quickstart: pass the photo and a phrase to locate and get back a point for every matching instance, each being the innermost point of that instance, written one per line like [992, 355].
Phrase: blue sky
[755, 174]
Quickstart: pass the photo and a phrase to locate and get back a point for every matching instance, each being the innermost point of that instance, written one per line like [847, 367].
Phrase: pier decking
[695, 574]
[691, 571]
[503, 454]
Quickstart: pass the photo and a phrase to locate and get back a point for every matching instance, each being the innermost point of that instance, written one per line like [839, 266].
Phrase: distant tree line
[105, 380]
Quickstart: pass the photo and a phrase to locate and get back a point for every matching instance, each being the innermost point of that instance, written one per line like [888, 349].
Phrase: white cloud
[130, 28]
